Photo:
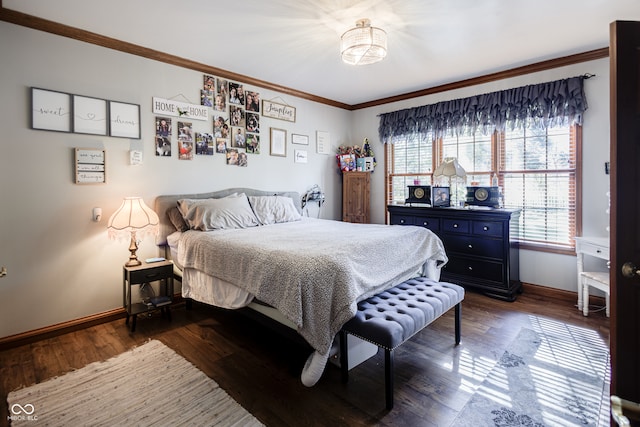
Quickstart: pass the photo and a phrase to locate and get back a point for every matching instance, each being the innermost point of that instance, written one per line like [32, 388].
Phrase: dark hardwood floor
[261, 369]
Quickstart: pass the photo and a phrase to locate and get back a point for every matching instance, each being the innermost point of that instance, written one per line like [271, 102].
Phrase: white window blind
[536, 169]
[410, 159]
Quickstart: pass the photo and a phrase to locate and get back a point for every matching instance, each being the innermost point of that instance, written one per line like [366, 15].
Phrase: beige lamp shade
[449, 170]
[135, 219]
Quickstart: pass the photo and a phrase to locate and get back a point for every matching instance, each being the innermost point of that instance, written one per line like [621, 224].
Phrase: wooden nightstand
[144, 275]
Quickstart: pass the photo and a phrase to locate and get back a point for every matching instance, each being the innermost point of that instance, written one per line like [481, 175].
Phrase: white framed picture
[89, 115]
[124, 120]
[299, 139]
[50, 110]
[278, 142]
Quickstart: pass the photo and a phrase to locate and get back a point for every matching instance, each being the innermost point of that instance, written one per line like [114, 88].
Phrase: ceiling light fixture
[363, 44]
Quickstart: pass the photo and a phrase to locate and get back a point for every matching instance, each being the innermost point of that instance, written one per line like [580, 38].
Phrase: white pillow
[216, 214]
[274, 209]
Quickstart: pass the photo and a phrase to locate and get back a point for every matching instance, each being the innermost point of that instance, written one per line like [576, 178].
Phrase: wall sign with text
[65, 112]
[90, 165]
[185, 110]
[278, 111]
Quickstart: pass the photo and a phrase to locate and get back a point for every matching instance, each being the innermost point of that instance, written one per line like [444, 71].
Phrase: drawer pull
[455, 225]
[470, 268]
[598, 251]
[425, 223]
[402, 221]
[485, 228]
[470, 246]
[151, 275]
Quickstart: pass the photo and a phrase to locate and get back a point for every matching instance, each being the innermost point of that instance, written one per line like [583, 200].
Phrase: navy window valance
[552, 103]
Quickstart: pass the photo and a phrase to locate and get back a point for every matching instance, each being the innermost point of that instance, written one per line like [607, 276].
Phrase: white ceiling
[295, 43]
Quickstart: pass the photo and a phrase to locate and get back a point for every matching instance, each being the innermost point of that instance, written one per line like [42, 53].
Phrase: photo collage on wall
[235, 128]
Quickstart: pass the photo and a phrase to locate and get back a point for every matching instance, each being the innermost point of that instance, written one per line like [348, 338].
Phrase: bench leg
[344, 357]
[388, 377]
[458, 320]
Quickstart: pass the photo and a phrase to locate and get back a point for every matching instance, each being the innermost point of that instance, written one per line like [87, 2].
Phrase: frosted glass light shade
[363, 44]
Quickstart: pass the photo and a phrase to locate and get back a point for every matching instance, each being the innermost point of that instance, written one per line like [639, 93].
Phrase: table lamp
[451, 171]
[136, 219]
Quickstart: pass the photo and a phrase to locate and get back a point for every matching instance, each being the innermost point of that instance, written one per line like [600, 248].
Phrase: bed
[243, 247]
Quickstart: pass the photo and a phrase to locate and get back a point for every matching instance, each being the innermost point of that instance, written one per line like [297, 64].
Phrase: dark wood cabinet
[480, 244]
[144, 275]
[355, 197]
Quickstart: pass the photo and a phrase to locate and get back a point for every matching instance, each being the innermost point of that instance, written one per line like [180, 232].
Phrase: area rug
[149, 385]
[556, 375]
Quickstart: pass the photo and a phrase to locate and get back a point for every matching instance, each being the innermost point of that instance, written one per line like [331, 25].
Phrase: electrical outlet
[97, 214]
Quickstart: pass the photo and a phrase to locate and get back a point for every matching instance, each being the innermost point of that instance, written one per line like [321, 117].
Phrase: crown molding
[52, 27]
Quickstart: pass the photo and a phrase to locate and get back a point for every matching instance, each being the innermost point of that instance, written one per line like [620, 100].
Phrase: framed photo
[323, 142]
[278, 142]
[89, 115]
[50, 110]
[124, 120]
[441, 196]
[299, 139]
[300, 156]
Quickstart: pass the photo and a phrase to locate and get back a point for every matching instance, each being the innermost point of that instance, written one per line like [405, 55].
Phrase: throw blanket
[313, 271]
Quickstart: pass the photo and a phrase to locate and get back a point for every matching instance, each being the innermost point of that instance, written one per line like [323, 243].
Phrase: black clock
[483, 196]
[419, 194]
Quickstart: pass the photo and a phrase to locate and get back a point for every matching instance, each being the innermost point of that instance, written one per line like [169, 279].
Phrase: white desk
[593, 246]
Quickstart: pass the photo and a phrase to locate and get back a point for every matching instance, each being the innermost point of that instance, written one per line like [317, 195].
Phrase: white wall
[61, 265]
[540, 268]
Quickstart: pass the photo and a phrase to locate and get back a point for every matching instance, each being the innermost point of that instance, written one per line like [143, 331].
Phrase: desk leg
[585, 299]
[580, 262]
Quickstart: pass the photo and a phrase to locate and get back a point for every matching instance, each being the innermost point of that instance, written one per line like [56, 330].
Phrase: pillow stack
[232, 212]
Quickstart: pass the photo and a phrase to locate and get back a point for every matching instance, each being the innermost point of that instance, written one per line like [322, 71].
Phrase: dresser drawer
[456, 226]
[431, 223]
[151, 274]
[402, 220]
[472, 245]
[593, 249]
[488, 228]
[477, 242]
[484, 270]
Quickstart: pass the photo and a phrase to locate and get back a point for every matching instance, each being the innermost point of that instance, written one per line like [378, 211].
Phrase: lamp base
[133, 263]
[133, 247]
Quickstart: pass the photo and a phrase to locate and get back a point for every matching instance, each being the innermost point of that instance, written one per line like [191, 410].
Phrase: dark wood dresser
[480, 244]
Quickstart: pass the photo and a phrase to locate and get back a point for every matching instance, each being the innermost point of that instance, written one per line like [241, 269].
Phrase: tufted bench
[390, 318]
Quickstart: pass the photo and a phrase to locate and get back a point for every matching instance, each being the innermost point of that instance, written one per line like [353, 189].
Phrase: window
[537, 170]
[410, 162]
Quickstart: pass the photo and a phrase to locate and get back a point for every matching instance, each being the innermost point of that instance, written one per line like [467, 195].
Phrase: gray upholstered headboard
[164, 203]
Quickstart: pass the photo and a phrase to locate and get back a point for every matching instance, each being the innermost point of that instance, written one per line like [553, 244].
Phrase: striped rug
[149, 385]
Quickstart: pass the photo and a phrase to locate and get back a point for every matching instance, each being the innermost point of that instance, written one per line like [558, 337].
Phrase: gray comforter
[313, 271]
